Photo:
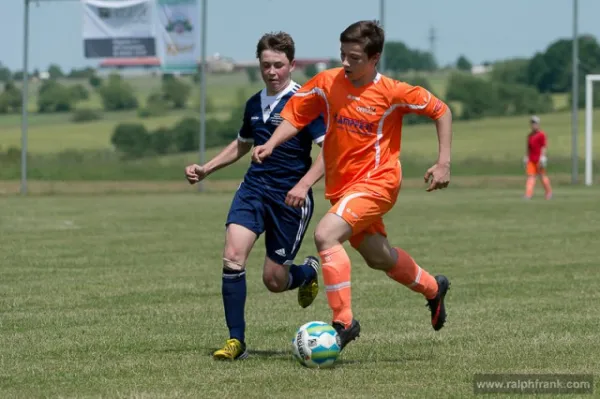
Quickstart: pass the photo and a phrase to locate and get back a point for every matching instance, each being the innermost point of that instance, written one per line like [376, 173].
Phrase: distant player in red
[364, 112]
[536, 160]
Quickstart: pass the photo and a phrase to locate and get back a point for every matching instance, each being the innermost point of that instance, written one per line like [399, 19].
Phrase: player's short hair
[368, 34]
[277, 41]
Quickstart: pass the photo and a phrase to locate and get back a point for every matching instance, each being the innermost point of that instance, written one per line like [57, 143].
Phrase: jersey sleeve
[307, 104]
[418, 100]
[245, 134]
[543, 140]
[317, 129]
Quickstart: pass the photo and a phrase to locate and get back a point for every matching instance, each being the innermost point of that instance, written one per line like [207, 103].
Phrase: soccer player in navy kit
[274, 198]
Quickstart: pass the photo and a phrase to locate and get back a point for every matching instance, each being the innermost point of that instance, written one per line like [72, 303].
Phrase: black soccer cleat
[436, 305]
[347, 334]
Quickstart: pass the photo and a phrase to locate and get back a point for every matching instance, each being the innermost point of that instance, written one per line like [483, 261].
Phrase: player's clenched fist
[261, 153]
[194, 173]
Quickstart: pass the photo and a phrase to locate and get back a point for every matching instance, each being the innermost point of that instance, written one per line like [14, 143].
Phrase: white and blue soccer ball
[316, 345]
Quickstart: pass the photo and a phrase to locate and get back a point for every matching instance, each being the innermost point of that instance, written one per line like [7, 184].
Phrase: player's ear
[376, 57]
[292, 65]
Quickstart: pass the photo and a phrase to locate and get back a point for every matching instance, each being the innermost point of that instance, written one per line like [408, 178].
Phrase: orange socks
[336, 276]
[407, 272]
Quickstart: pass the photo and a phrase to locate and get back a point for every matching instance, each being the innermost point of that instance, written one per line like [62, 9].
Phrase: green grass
[119, 296]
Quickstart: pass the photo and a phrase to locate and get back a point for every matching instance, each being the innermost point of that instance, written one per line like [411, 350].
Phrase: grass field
[119, 296]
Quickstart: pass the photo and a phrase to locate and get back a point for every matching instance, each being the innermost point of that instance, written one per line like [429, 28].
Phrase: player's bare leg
[330, 233]
[401, 267]
[529, 186]
[547, 186]
[280, 278]
[238, 243]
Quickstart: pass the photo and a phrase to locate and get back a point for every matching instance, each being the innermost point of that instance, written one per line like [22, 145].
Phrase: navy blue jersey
[291, 160]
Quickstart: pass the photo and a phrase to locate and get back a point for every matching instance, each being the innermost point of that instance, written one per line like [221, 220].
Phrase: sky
[482, 30]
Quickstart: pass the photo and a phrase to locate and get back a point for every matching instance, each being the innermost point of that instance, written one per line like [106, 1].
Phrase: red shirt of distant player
[535, 142]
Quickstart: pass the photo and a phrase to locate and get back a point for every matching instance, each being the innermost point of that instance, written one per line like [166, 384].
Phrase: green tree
[463, 64]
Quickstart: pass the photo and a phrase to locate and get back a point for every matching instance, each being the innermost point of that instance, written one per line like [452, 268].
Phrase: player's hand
[297, 195]
[194, 173]
[261, 152]
[438, 177]
[543, 161]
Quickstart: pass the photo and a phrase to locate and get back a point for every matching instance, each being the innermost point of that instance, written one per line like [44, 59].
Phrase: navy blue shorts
[265, 211]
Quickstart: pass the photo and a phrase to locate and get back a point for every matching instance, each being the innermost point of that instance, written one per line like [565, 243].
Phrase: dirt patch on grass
[35, 187]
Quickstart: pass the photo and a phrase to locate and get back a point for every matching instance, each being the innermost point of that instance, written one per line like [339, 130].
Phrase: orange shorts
[535, 169]
[363, 210]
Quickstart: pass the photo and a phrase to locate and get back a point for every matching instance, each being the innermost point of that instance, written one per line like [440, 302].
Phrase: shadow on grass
[286, 356]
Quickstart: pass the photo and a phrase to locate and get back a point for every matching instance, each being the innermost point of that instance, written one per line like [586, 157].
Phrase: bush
[175, 91]
[161, 141]
[117, 94]
[11, 99]
[95, 81]
[79, 92]
[131, 139]
[85, 115]
[156, 105]
[480, 98]
[54, 97]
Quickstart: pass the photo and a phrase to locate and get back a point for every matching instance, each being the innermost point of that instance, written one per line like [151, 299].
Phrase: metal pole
[589, 101]
[203, 91]
[381, 17]
[25, 98]
[575, 98]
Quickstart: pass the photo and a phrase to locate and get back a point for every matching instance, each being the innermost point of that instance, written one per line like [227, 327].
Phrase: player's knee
[275, 281]
[323, 239]
[232, 265]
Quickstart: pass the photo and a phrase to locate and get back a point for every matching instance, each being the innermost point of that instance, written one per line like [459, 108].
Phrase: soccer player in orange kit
[364, 112]
[535, 160]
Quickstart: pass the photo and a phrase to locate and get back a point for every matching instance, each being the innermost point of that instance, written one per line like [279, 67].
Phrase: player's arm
[230, 154]
[543, 157]
[304, 107]
[418, 100]
[297, 195]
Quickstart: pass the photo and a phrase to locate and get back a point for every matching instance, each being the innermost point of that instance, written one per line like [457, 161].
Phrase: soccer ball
[316, 345]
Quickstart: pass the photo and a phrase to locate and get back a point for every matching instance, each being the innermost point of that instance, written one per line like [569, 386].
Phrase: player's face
[357, 64]
[276, 70]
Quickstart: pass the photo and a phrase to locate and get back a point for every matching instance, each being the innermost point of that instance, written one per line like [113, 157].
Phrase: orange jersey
[364, 127]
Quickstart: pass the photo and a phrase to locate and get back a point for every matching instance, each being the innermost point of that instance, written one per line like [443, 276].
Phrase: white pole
[588, 129]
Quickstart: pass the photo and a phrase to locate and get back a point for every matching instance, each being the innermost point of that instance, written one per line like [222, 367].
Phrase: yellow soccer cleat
[233, 350]
[309, 291]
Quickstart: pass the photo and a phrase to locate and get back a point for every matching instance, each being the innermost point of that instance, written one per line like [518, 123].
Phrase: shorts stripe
[340, 209]
[306, 211]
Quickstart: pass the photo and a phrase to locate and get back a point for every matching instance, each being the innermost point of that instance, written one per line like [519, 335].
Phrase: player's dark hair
[366, 33]
[277, 41]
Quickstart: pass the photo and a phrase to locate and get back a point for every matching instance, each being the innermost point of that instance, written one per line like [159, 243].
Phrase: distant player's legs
[285, 228]
[546, 183]
[401, 267]
[531, 171]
